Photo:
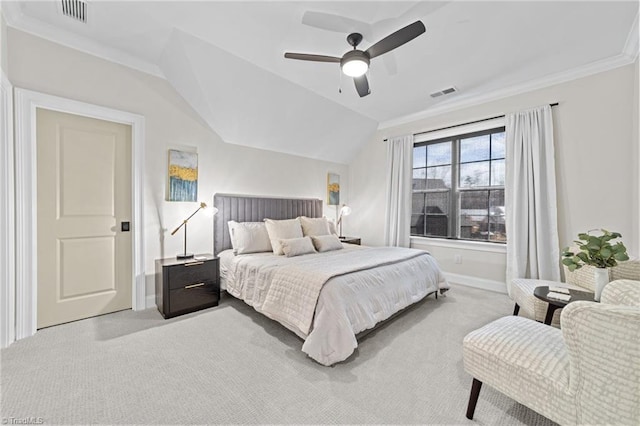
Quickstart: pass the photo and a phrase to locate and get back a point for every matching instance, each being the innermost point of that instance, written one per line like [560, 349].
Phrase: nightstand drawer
[191, 273]
[350, 240]
[192, 297]
[184, 286]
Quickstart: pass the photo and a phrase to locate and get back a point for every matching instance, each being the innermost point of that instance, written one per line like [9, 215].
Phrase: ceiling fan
[355, 63]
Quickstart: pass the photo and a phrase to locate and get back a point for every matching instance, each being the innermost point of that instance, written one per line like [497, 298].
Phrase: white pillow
[332, 228]
[327, 243]
[282, 230]
[249, 237]
[297, 246]
[314, 226]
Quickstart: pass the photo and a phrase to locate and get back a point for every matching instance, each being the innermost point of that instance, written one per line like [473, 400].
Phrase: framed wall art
[183, 176]
[333, 189]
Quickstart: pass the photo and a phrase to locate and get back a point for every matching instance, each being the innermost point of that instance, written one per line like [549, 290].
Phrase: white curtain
[530, 197]
[399, 175]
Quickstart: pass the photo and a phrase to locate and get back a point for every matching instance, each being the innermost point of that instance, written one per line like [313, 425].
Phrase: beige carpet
[231, 365]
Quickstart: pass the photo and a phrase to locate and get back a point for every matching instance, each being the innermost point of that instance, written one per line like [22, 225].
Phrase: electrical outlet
[457, 259]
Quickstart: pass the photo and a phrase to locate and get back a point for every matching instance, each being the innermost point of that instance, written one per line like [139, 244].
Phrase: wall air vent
[76, 9]
[443, 92]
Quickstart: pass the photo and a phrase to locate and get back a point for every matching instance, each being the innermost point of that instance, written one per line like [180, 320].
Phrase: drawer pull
[194, 285]
[193, 263]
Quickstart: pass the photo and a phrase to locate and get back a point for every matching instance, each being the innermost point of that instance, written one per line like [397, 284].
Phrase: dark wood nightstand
[187, 285]
[350, 240]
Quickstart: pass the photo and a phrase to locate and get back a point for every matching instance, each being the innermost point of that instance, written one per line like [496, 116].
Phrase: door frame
[26, 102]
[7, 217]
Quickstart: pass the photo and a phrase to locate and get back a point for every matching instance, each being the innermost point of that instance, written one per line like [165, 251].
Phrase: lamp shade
[210, 211]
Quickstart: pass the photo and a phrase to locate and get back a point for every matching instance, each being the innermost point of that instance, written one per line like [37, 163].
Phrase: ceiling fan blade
[396, 39]
[309, 57]
[362, 85]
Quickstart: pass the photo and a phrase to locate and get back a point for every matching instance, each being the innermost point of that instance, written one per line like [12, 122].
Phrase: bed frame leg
[473, 398]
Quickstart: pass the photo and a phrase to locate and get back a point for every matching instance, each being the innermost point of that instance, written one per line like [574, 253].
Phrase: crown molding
[481, 98]
[18, 20]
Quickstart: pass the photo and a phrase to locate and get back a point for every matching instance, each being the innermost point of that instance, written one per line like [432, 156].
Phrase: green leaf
[606, 252]
[619, 247]
[583, 257]
[621, 257]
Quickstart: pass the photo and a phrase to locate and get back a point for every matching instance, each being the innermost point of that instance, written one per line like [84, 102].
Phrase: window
[458, 187]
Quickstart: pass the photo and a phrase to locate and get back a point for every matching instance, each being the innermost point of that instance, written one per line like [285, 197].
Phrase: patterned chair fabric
[586, 373]
[580, 279]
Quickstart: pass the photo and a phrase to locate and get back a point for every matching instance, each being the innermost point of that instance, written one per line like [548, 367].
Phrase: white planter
[601, 277]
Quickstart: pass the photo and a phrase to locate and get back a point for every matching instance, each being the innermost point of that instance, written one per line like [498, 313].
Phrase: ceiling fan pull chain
[340, 84]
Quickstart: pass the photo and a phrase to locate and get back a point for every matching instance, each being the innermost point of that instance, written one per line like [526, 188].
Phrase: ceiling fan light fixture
[354, 63]
[355, 68]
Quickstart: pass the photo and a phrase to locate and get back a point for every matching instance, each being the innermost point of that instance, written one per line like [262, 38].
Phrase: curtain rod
[464, 124]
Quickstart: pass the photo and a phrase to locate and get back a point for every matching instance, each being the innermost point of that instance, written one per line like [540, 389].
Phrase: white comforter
[344, 292]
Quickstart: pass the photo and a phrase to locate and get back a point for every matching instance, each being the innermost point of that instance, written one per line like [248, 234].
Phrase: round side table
[542, 294]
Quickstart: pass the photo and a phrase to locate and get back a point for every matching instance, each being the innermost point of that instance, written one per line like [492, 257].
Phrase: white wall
[40, 65]
[595, 164]
[3, 43]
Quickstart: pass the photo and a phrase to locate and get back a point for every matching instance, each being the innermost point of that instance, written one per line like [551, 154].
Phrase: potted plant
[597, 251]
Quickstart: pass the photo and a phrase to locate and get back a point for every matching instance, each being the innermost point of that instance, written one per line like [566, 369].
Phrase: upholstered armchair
[586, 373]
[527, 305]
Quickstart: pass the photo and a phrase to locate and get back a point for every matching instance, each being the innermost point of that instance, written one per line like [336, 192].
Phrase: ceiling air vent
[75, 9]
[443, 92]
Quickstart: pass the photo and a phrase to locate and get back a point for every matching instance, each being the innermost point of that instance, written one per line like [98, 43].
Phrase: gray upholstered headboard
[246, 208]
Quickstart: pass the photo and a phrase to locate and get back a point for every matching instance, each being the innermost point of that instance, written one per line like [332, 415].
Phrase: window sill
[460, 244]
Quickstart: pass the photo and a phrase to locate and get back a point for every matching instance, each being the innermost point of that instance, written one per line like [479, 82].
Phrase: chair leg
[473, 398]
[516, 309]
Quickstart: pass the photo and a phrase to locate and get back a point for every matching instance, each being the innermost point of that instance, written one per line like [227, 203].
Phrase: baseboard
[150, 301]
[475, 282]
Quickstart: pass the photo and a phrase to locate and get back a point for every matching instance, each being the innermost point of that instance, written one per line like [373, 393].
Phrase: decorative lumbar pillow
[282, 230]
[314, 226]
[297, 246]
[326, 243]
[249, 237]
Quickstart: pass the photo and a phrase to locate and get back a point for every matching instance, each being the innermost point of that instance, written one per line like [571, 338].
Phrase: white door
[84, 196]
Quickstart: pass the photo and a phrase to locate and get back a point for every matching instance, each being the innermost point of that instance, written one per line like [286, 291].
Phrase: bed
[326, 298]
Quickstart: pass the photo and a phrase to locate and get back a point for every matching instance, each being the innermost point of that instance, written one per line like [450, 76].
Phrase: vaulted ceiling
[226, 58]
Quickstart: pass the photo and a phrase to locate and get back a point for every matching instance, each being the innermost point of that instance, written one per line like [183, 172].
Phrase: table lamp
[344, 211]
[185, 255]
